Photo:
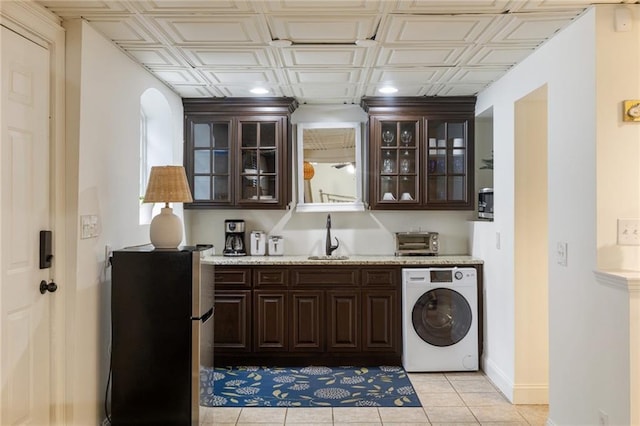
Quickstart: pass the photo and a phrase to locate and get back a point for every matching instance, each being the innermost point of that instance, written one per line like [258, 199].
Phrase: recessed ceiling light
[259, 91]
[280, 43]
[387, 90]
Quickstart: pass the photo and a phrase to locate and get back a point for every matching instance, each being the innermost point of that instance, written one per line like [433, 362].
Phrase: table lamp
[167, 184]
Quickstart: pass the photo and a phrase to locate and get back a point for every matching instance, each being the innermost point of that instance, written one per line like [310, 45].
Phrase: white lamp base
[166, 230]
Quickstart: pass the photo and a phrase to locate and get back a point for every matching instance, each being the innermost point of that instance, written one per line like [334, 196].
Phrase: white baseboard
[531, 394]
[498, 377]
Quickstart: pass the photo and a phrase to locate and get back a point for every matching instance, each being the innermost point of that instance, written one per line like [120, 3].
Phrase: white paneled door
[25, 198]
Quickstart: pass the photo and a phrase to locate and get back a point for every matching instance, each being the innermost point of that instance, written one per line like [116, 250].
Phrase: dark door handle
[51, 287]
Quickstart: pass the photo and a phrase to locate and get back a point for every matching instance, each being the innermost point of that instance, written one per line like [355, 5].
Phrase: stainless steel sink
[328, 257]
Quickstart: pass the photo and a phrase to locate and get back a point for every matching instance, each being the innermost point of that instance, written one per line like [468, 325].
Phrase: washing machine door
[441, 317]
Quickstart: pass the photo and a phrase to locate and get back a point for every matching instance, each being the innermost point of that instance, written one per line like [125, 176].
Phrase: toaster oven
[417, 243]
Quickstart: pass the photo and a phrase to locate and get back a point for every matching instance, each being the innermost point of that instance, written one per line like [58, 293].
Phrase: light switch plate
[562, 254]
[88, 226]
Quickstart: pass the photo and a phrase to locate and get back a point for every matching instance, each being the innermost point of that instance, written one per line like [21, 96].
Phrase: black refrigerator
[162, 334]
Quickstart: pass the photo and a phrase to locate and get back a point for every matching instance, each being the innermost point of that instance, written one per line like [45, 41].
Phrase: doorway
[531, 253]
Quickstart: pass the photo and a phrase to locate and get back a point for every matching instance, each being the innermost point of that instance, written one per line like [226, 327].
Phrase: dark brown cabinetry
[237, 152]
[303, 314]
[232, 310]
[421, 152]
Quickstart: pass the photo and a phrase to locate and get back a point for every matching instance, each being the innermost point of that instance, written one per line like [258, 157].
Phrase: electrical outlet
[603, 418]
[562, 253]
[629, 232]
[108, 251]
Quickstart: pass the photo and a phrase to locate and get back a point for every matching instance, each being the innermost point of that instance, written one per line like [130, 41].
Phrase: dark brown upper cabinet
[237, 152]
[420, 152]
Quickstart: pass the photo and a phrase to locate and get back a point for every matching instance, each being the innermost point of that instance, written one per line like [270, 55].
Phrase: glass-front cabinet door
[236, 152]
[397, 161]
[259, 161]
[210, 159]
[447, 162]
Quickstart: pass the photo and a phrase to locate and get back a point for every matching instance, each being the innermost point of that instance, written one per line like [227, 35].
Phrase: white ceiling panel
[321, 56]
[325, 90]
[322, 29]
[178, 76]
[530, 28]
[331, 7]
[155, 56]
[459, 89]
[122, 29]
[194, 6]
[470, 75]
[237, 77]
[498, 55]
[229, 57]
[407, 56]
[448, 6]
[218, 29]
[435, 29]
[327, 76]
[205, 48]
[197, 92]
[76, 9]
[398, 76]
[237, 91]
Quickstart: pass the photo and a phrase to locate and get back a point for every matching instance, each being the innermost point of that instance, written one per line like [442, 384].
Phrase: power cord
[106, 392]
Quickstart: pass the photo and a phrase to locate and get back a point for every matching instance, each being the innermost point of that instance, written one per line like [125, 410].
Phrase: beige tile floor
[447, 399]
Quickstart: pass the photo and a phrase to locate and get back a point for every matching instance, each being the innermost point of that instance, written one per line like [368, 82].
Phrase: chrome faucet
[328, 247]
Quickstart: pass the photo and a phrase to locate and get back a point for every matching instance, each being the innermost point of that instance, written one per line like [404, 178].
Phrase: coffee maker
[234, 238]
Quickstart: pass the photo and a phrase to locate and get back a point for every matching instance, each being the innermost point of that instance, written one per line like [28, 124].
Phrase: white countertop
[352, 260]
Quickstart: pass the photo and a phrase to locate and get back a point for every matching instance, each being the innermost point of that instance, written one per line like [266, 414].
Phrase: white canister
[276, 245]
[258, 243]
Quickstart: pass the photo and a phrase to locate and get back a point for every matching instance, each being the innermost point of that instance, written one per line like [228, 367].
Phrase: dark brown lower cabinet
[270, 320]
[307, 309]
[379, 320]
[343, 322]
[232, 328]
[297, 315]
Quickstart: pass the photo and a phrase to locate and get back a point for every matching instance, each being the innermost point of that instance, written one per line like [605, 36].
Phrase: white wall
[361, 233]
[586, 353]
[103, 110]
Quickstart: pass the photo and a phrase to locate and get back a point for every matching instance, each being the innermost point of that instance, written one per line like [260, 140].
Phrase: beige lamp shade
[167, 184]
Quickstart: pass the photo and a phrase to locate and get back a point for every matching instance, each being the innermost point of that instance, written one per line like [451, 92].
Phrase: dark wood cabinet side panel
[306, 321]
[232, 320]
[343, 322]
[380, 319]
[270, 321]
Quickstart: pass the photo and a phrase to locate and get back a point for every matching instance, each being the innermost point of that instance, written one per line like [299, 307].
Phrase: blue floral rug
[306, 387]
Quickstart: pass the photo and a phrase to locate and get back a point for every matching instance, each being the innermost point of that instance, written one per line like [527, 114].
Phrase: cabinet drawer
[234, 277]
[380, 277]
[271, 277]
[324, 277]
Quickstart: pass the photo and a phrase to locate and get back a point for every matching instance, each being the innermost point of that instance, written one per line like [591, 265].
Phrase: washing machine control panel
[440, 275]
[450, 275]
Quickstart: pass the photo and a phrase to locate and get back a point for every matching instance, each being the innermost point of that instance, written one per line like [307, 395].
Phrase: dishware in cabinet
[237, 152]
[448, 163]
[421, 152]
[395, 161]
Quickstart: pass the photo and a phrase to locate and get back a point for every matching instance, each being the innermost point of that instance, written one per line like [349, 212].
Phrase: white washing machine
[440, 319]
